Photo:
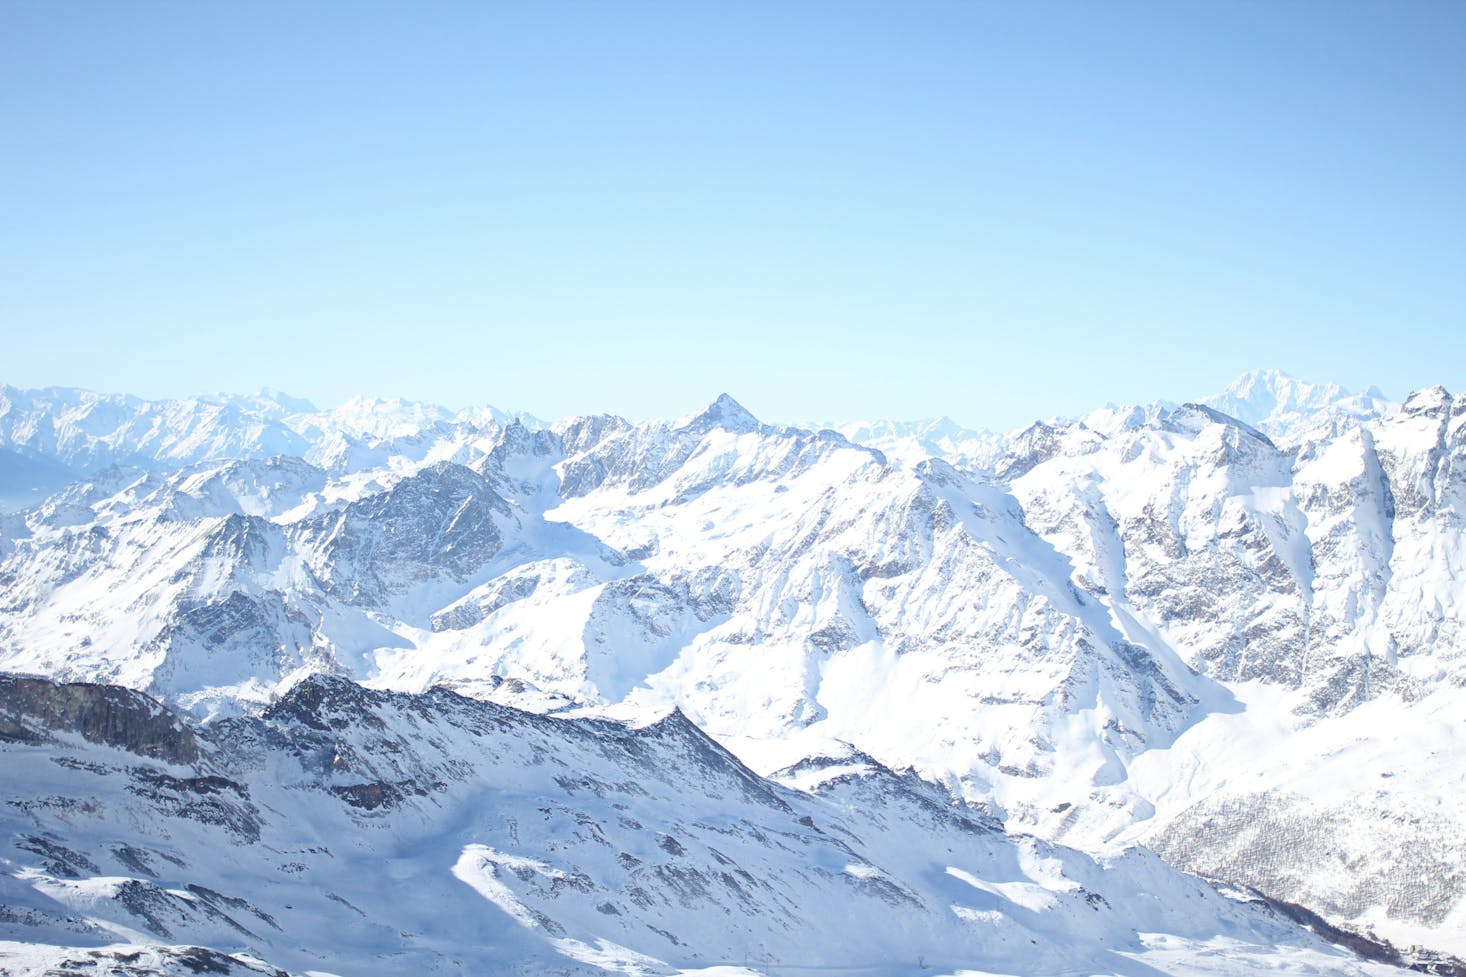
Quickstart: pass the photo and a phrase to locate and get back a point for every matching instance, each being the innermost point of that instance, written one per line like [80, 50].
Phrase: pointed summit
[725, 413]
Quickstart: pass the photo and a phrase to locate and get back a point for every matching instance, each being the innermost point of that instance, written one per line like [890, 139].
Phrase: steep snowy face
[1188, 520]
[1422, 451]
[1310, 567]
[438, 834]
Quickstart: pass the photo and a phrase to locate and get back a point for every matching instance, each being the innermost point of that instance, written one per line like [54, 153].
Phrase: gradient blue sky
[829, 210]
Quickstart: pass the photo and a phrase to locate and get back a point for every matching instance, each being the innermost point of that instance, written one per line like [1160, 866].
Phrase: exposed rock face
[151, 961]
[1272, 844]
[443, 522]
[33, 708]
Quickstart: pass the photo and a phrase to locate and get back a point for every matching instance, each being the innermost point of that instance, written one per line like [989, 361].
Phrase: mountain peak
[1263, 392]
[1188, 415]
[1428, 400]
[298, 405]
[1269, 378]
[725, 413]
[1286, 408]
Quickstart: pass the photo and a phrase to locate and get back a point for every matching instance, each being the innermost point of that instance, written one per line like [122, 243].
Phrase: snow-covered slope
[357, 832]
[1067, 626]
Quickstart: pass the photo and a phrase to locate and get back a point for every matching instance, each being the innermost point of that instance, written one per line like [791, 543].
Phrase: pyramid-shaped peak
[725, 413]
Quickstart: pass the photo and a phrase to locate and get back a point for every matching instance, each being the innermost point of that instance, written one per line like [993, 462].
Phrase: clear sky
[830, 210]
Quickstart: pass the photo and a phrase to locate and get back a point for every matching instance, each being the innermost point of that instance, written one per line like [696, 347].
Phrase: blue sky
[830, 210]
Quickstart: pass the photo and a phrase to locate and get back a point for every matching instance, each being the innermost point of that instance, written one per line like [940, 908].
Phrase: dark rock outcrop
[32, 708]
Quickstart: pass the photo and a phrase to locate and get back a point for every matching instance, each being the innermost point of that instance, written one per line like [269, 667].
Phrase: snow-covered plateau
[421, 690]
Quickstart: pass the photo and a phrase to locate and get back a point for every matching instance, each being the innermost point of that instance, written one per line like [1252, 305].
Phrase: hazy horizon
[690, 409]
[992, 213]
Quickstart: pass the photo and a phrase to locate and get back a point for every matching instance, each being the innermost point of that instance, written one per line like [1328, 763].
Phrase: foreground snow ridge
[1228, 630]
[346, 830]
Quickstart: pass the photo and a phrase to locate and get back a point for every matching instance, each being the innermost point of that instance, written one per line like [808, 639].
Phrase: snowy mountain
[1202, 627]
[1291, 410]
[86, 432]
[437, 834]
[912, 441]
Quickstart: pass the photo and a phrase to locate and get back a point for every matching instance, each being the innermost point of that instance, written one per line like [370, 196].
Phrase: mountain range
[995, 671]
